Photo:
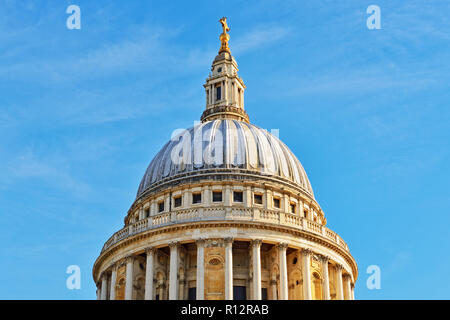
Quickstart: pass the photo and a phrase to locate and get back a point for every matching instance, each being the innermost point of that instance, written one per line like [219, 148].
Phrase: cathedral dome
[225, 211]
[230, 146]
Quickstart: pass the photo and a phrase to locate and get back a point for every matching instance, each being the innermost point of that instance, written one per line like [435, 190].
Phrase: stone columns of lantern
[112, 287]
[200, 291]
[348, 289]
[282, 247]
[173, 271]
[129, 278]
[228, 268]
[104, 286]
[256, 256]
[306, 259]
[225, 91]
[326, 278]
[235, 94]
[149, 273]
[339, 285]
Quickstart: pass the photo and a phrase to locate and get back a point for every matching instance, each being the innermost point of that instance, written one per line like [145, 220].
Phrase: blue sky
[82, 113]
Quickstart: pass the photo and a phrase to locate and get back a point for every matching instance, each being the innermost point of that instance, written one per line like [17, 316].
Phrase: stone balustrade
[220, 214]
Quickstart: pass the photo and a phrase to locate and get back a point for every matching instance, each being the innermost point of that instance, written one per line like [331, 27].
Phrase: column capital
[256, 242]
[200, 242]
[307, 252]
[282, 245]
[149, 250]
[129, 258]
[114, 266]
[228, 240]
[339, 267]
[347, 276]
[173, 244]
[324, 258]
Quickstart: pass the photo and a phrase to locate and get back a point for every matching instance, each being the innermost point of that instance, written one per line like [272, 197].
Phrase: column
[353, 291]
[306, 258]
[149, 274]
[104, 287]
[200, 291]
[207, 195]
[348, 290]
[228, 268]
[98, 292]
[129, 279]
[286, 204]
[300, 208]
[326, 278]
[173, 273]
[152, 208]
[112, 287]
[228, 196]
[256, 255]
[282, 247]
[339, 286]
[248, 197]
[268, 199]
[185, 201]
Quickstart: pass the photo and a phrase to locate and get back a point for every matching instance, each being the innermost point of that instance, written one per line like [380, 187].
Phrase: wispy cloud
[259, 36]
[51, 172]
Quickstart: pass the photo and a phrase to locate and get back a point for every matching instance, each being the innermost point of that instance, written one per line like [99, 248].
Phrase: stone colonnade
[343, 282]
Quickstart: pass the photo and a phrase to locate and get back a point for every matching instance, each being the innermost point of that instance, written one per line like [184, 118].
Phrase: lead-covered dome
[225, 144]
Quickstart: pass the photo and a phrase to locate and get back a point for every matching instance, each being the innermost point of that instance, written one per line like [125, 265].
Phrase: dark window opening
[238, 196]
[217, 196]
[161, 206]
[218, 93]
[258, 198]
[197, 198]
[276, 202]
[146, 213]
[192, 294]
[239, 293]
[292, 208]
[177, 202]
[264, 294]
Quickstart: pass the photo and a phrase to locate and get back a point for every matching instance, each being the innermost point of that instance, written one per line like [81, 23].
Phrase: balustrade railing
[220, 213]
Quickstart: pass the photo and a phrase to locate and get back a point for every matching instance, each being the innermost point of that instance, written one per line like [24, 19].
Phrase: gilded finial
[224, 36]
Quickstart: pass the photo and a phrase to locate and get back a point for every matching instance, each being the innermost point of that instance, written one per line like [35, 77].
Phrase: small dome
[228, 144]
